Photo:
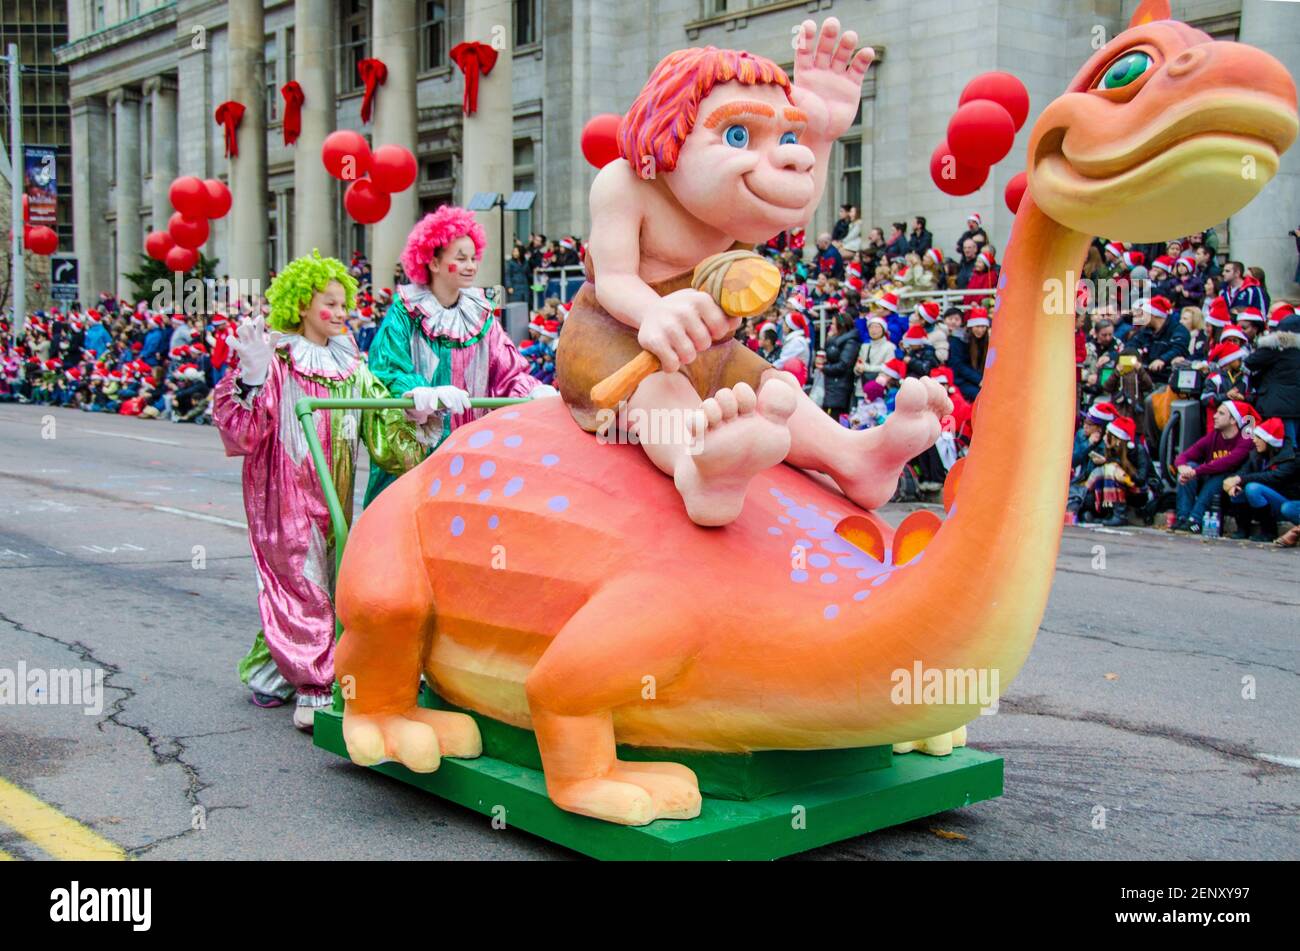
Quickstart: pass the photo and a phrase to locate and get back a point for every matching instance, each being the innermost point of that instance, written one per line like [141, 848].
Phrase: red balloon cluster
[197, 201]
[992, 108]
[600, 139]
[40, 239]
[375, 176]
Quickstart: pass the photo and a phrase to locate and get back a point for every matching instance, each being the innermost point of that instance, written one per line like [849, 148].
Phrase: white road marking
[199, 516]
[1292, 761]
[100, 432]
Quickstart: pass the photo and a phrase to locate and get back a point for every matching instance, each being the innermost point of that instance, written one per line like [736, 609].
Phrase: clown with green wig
[302, 349]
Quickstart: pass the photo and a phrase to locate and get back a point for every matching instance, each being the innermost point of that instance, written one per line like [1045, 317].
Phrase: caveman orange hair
[664, 113]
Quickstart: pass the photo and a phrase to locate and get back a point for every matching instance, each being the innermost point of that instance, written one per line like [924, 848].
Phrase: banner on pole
[41, 185]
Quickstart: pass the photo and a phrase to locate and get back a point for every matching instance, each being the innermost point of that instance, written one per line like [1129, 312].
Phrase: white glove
[543, 391]
[255, 346]
[433, 399]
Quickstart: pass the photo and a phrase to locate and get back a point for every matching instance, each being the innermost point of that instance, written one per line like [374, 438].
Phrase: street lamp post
[19, 280]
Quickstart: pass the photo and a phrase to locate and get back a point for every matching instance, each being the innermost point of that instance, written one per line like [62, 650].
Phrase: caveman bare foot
[742, 435]
[870, 475]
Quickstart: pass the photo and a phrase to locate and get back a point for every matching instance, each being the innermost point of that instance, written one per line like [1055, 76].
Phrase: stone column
[395, 40]
[1259, 232]
[125, 104]
[161, 91]
[90, 199]
[488, 153]
[246, 64]
[315, 194]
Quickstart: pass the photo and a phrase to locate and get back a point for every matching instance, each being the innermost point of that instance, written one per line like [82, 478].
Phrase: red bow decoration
[229, 114]
[474, 60]
[373, 73]
[293, 100]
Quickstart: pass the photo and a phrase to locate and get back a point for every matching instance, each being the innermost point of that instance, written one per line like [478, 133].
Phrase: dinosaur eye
[1125, 70]
[789, 138]
[737, 136]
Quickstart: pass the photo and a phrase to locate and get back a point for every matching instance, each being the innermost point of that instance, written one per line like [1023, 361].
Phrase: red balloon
[181, 259]
[392, 168]
[365, 202]
[157, 244]
[1004, 89]
[346, 155]
[189, 197]
[188, 232]
[1016, 191]
[952, 176]
[981, 133]
[41, 240]
[218, 198]
[600, 139]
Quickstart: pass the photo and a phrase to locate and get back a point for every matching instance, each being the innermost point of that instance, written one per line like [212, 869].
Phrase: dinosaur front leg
[387, 609]
[603, 659]
[940, 745]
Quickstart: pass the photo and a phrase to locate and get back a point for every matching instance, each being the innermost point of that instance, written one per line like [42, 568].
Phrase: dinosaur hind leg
[597, 663]
[386, 606]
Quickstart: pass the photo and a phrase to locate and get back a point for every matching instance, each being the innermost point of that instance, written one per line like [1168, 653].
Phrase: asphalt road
[1156, 717]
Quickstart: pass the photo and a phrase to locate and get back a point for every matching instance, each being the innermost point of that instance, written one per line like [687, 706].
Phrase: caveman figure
[720, 151]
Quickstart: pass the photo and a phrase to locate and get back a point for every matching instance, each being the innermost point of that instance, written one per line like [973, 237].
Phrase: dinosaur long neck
[997, 549]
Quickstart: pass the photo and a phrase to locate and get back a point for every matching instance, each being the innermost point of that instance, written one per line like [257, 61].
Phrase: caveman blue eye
[789, 138]
[737, 136]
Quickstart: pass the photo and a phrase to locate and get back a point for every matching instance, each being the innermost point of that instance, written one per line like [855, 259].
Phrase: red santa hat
[764, 327]
[1155, 306]
[974, 216]
[1188, 261]
[857, 284]
[796, 321]
[1123, 429]
[987, 257]
[853, 269]
[1226, 353]
[978, 317]
[1134, 258]
[1115, 248]
[568, 243]
[1271, 431]
[1242, 413]
[1280, 312]
[1252, 314]
[928, 311]
[944, 374]
[796, 302]
[895, 368]
[1165, 263]
[935, 257]
[877, 319]
[74, 374]
[1102, 413]
[915, 337]
[1233, 332]
[889, 301]
[1218, 314]
[52, 364]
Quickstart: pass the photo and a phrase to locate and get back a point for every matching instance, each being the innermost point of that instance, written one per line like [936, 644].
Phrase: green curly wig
[294, 287]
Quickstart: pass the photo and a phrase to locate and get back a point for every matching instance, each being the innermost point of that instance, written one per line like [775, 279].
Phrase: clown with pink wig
[439, 343]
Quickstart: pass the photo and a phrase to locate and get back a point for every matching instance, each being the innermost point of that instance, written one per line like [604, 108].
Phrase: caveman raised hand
[828, 78]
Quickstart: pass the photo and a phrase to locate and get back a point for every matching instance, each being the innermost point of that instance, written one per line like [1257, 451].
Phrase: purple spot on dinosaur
[513, 487]
[799, 575]
[434, 486]
[862, 595]
[832, 612]
[804, 543]
[557, 503]
[829, 577]
[783, 519]
[550, 459]
[512, 441]
[457, 464]
[460, 489]
[457, 526]
[513, 414]
[992, 356]
[774, 530]
[775, 491]
[818, 560]
[485, 495]
[880, 580]
[487, 469]
[494, 521]
[480, 439]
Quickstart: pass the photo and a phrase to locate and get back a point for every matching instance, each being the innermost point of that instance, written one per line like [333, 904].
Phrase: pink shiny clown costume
[288, 521]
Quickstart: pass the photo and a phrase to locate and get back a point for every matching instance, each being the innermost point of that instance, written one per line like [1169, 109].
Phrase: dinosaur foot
[631, 794]
[417, 738]
[742, 434]
[868, 471]
[940, 745]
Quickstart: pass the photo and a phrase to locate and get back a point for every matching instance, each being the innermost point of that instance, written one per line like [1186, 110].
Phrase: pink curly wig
[433, 233]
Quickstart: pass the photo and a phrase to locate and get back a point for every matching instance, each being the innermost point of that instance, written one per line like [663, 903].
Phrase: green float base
[780, 823]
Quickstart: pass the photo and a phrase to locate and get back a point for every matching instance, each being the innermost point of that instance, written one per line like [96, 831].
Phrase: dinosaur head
[1164, 131]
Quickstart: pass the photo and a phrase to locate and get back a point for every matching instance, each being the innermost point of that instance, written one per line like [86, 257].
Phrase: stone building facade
[146, 77]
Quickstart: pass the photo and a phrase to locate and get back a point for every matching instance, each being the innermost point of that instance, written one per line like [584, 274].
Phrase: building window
[433, 35]
[525, 180]
[355, 37]
[851, 172]
[269, 75]
[437, 169]
[527, 20]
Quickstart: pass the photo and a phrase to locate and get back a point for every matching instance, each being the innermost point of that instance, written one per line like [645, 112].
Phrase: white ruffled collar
[338, 359]
[459, 323]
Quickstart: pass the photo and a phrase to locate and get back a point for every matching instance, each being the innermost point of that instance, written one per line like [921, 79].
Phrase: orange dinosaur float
[547, 580]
